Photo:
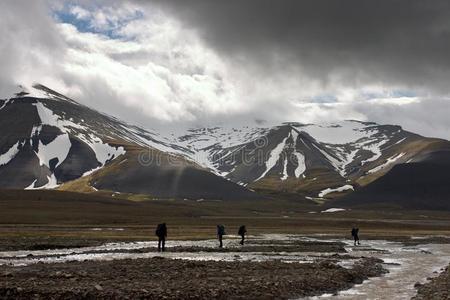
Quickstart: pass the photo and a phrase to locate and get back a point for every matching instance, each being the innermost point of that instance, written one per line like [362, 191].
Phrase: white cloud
[145, 67]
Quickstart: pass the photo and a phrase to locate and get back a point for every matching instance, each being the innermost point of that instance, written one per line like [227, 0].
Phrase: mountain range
[49, 141]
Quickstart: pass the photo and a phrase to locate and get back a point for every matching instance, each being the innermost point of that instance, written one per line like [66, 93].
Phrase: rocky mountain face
[51, 141]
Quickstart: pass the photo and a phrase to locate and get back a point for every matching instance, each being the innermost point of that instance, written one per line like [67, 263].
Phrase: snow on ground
[336, 163]
[4, 104]
[144, 138]
[336, 133]
[274, 157]
[49, 118]
[221, 137]
[285, 174]
[375, 148]
[332, 210]
[400, 141]
[58, 148]
[40, 92]
[301, 166]
[388, 162]
[52, 183]
[103, 151]
[338, 189]
[31, 186]
[9, 155]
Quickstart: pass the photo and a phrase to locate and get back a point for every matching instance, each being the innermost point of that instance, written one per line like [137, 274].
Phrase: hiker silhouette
[242, 231]
[220, 234]
[161, 233]
[355, 232]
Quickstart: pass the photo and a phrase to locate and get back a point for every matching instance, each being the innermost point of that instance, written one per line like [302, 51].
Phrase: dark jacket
[242, 230]
[161, 230]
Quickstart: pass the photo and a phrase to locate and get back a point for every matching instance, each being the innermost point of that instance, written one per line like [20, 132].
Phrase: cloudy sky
[168, 63]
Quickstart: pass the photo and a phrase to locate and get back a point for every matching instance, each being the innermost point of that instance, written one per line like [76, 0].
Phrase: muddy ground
[160, 278]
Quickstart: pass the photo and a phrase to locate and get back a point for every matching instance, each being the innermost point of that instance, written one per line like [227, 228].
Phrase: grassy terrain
[51, 215]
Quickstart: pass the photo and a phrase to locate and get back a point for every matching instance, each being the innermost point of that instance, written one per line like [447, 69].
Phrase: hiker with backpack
[161, 233]
[242, 231]
[355, 232]
[220, 234]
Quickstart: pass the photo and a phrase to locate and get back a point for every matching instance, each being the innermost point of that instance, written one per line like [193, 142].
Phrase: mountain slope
[310, 159]
[422, 184]
[49, 139]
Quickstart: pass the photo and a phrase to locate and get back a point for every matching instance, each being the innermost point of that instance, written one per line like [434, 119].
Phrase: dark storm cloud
[393, 42]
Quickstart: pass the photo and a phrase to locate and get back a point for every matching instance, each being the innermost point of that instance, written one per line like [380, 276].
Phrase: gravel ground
[437, 288]
[159, 278]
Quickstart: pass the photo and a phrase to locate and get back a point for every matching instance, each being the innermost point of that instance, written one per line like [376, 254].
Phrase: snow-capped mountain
[318, 159]
[49, 141]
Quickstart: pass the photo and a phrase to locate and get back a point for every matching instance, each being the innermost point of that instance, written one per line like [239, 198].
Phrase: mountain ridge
[62, 141]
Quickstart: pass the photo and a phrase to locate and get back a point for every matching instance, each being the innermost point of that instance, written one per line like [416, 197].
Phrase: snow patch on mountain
[301, 162]
[375, 148]
[337, 133]
[285, 174]
[327, 191]
[332, 210]
[58, 148]
[220, 137]
[103, 151]
[9, 155]
[52, 183]
[274, 157]
[49, 118]
[336, 163]
[388, 162]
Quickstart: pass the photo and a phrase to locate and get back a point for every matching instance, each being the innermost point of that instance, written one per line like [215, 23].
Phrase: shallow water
[407, 265]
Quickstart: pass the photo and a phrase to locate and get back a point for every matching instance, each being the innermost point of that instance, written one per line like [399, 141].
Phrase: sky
[188, 63]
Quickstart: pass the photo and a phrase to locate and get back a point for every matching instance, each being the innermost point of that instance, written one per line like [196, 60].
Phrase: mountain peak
[38, 90]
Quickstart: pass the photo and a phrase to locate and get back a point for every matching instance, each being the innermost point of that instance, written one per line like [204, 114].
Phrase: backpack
[158, 231]
[242, 230]
[220, 230]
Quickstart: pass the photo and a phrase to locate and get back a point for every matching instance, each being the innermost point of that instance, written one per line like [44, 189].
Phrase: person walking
[355, 232]
[220, 234]
[242, 231]
[161, 233]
